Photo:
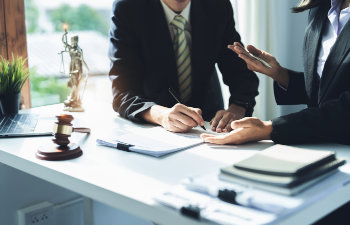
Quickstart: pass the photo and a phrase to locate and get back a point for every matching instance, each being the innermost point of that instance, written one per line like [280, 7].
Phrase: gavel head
[63, 129]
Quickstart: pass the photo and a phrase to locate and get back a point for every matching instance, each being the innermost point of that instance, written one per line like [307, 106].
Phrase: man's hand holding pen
[181, 118]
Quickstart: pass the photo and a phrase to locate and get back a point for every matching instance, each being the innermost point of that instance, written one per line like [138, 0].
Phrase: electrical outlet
[38, 214]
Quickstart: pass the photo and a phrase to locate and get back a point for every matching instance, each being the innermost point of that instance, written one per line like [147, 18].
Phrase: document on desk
[206, 208]
[153, 141]
[200, 197]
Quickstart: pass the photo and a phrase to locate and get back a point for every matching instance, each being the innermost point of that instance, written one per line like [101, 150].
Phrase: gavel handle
[82, 130]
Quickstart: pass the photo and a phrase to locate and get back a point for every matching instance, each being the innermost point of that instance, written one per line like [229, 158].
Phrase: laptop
[25, 125]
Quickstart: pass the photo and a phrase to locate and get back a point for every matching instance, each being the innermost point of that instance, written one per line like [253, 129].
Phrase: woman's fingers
[253, 50]
[253, 64]
[261, 54]
[215, 139]
[235, 137]
[246, 122]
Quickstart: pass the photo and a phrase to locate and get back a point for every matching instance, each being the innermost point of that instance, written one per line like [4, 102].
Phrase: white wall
[19, 190]
[287, 37]
[106, 215]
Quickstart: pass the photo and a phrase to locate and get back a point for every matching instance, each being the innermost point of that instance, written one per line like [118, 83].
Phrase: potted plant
[12, 77]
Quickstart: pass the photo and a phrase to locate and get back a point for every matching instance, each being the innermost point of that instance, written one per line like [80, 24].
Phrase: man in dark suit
[160, 44]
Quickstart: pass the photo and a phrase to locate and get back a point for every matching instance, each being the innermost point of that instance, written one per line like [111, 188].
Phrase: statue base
[73, 109]
[73, 106]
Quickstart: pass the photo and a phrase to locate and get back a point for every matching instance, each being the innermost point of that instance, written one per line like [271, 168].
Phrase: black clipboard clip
[124, 146]
[192, 211]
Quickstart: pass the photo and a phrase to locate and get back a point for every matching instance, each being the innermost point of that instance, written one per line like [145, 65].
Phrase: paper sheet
[155, 140]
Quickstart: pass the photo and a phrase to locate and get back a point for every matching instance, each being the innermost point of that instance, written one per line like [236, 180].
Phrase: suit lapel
[340, 49]
[161, 44]
[200, 24]
[312, 42]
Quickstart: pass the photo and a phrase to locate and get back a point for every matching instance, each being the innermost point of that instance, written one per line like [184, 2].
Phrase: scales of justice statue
[77, 78]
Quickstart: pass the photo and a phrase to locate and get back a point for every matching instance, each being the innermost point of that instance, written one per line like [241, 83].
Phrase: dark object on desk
[9, 103]
[284, 181]
[65, 150]
[191, 211]
[178, 101]
[13, 74]
[24, 125]
[227, 195]
[283, 160]
[283, 169]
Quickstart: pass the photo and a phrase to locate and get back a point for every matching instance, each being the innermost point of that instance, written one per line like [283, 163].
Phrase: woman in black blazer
[324, 86]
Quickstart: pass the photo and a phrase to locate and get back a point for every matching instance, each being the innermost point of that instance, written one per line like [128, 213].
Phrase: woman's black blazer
[327, 118]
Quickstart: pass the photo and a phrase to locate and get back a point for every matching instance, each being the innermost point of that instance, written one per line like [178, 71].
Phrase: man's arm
[126, 64]
[127, 80]
[243, 84]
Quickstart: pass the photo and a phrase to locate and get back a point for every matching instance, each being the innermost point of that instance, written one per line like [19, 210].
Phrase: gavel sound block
[63, 149]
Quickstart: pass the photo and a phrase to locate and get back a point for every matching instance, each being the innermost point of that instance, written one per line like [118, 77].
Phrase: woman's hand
[248, 129]
[276, 72]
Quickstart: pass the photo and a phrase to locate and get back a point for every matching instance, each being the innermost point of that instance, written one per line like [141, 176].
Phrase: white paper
[155, 140]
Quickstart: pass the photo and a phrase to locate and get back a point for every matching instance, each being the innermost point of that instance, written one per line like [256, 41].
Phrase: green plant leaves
[13, 75]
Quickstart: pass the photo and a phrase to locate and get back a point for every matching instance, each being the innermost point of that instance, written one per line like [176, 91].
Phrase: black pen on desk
[178, 101]
[240, 197]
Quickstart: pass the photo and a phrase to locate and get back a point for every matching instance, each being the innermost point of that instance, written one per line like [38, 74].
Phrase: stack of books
[283, 169]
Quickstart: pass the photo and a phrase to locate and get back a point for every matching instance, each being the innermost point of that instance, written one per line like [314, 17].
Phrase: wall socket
[38, 214]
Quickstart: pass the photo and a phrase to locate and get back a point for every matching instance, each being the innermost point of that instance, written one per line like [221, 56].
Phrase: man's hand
[179, 118]
[223, 118]
[245, 130]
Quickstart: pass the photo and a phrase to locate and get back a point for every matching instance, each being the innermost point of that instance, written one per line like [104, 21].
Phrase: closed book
[272, 188]
[283, 181]
[282, 160]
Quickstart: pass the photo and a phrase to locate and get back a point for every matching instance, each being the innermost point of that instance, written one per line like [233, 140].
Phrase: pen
[178, 101]
[261, 60]
[240, 197]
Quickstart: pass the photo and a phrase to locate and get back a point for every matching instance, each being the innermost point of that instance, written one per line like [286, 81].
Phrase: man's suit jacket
[143, 60]
[327, 117]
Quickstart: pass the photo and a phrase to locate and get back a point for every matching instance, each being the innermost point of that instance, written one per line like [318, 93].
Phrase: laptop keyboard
[20, 123]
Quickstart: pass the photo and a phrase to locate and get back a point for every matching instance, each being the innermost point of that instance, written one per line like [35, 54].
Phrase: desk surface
[129, 181]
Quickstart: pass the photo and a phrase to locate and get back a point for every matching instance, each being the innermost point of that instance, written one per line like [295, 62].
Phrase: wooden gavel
[63, 129]
[65, 150]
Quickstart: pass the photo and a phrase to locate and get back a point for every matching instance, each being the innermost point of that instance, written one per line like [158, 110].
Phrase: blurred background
[267, 24]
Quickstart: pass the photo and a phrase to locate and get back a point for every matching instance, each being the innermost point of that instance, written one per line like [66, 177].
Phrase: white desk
[129, 181]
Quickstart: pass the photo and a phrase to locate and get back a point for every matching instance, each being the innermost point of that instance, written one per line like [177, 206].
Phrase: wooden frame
[13, 38]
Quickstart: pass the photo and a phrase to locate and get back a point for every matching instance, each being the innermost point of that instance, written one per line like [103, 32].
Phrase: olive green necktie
[183, 58]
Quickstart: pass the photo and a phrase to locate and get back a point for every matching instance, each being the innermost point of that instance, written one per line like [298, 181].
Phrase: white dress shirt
[170, 14]
[336, 21]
